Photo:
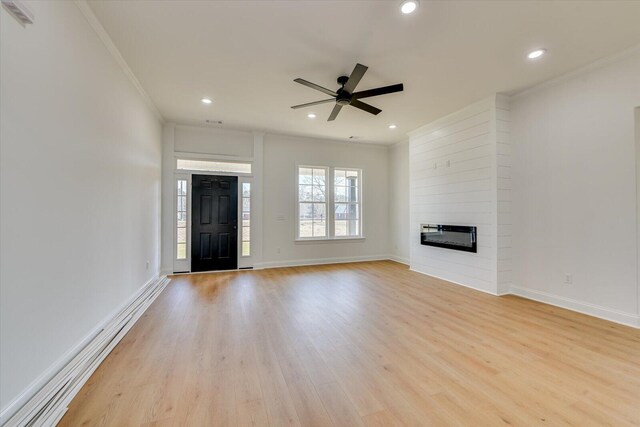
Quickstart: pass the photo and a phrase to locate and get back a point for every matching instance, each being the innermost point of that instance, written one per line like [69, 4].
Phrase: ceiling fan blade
[309, 104]
[316, 87]
[378, 91]
[366, 107]
[334, 112]
[355, 77]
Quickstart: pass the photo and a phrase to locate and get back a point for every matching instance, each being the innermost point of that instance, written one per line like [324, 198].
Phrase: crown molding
[115, 53]
[599, 63]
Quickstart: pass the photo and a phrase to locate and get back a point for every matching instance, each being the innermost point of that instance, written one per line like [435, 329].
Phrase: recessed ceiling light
[311, 116]
[393, 126]
[206, 100]
[535, 54]
[408, 6]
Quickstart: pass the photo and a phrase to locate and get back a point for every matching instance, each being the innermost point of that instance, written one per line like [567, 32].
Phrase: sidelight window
[246, 219]
[181, 223]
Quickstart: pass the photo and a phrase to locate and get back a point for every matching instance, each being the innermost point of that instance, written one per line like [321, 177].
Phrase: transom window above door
[213, 166]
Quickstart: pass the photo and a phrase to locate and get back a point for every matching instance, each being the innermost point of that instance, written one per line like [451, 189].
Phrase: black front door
[214, 223]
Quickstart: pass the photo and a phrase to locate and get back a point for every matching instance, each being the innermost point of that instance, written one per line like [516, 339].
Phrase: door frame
[184, 265]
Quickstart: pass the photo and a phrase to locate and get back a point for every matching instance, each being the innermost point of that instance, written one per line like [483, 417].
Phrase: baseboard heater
[49, 404]
[456, 237]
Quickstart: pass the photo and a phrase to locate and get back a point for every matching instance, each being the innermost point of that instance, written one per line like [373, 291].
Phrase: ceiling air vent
[19, 11]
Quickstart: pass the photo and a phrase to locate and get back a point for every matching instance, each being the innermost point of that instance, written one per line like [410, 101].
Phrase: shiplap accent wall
[458, 176]
[504, 188]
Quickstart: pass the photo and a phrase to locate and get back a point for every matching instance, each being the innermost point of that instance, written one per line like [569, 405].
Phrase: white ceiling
[245, 55]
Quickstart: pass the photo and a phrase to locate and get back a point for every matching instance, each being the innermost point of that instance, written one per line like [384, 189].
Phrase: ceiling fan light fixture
[311, 115]
[408, 6]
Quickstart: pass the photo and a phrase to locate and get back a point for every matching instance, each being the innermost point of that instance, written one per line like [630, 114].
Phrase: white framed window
[213, 166]
[329, 203]
[246, 219]
[346, 203]
[181, 219]
[312, 202]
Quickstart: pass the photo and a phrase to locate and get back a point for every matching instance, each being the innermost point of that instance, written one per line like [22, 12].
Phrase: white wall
[454, 180]
[205, 140]
[197, 141]
[504, 196]
[575, 190]
[274, 159]
[399, 202]
[80, 190]
[281, 154]
[637, 126]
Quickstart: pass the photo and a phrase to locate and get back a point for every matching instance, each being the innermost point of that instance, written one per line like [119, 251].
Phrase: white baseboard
[45, 400]
[401, 260]
[605, 313]
[319, 261]
[456, 283]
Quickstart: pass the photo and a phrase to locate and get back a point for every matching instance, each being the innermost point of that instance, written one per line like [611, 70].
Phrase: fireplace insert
[457, 237]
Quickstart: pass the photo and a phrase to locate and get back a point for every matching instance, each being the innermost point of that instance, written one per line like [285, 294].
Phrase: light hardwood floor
[363, 344]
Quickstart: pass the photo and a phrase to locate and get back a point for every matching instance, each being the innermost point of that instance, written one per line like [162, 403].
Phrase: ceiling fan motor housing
[343, 98]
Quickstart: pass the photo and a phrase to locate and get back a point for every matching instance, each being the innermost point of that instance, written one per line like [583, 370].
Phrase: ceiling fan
[346, 95]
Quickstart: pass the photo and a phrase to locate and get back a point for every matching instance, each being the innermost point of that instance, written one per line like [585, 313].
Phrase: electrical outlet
[568, 279]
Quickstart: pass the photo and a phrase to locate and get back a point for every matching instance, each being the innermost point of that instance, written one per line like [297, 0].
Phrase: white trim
[602, 62]
[214, 157]
[401, 260]
[233, 270]
[45, 400]
[102, 34]
[628, 319]
[303, 240]
[453, 282]
[636, 118]
[320, 261]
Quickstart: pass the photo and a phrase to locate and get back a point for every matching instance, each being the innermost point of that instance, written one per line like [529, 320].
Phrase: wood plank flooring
[363, 344]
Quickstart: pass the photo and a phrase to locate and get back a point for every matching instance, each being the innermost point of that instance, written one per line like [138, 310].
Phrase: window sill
[329, 240]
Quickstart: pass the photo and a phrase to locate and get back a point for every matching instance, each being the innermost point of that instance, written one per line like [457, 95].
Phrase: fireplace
[457, 237]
